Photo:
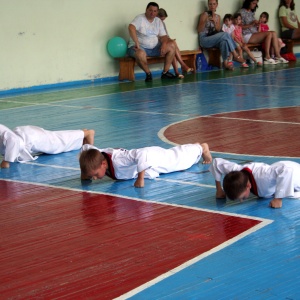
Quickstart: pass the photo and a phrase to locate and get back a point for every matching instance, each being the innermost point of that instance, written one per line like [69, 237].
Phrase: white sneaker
[270, 61]
[281, 60]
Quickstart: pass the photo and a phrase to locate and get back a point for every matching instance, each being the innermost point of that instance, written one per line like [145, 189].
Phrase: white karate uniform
[154, 160]
[21, 143]
[279, 180]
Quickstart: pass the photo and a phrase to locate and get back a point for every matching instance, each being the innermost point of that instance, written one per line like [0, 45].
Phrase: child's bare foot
[207, 158]
[89, 135]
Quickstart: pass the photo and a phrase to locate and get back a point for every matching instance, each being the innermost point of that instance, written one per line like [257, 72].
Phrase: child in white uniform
[141, 163]
[279, 180]
[22, 143]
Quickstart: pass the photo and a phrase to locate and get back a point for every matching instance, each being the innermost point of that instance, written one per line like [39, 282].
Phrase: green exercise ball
[117, 47]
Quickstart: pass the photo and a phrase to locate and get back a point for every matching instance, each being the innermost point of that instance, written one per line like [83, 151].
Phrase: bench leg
[127, 70]
[214, 57]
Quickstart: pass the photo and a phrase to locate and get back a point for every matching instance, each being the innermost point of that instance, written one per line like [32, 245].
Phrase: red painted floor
[62, 243]
[246, 132]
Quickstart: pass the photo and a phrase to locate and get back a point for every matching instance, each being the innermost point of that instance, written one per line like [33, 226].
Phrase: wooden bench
[214, 55]
[128, 63]
[290, 45]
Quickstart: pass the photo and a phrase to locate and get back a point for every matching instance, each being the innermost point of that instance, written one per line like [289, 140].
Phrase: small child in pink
[229, 28]
[263, 26]
[238, 38]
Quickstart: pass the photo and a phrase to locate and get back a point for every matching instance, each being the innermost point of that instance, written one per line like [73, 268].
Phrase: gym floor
[62, 238]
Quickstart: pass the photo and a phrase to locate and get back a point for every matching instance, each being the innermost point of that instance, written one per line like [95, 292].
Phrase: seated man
[149, 38]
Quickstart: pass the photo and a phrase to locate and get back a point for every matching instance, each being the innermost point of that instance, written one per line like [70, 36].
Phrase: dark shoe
[167, 75]
[148, 77]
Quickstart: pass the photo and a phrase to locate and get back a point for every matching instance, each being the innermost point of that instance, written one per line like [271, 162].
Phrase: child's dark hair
[265, 14]
[90, 160]
[227, 16]
[236, 15]
[283, 3]
[234, 184]
[246, 5]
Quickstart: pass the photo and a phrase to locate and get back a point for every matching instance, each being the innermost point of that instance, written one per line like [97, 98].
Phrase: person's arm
[284, 185]
[140, 182]
[276, 203]
[202, 21]
[286, 24]
[133, 35]
[217, 21]
[252, 24]
[220, 194]
[259, 27]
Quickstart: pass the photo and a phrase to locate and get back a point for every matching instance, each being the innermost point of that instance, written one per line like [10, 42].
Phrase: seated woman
[162, 14]
[290, 26]
[209, 36]
[253, 36]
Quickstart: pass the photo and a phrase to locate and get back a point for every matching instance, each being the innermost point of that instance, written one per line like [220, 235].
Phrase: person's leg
[184, 66]
[206, 155]
[170, 54]
[296, 34]
[275, 44]
[239, 51]
[89, 136]
[175, 67]
[141, 58]
[276, 48]
[227, 47]
[260, 37]
[221, 41]
[247, 50]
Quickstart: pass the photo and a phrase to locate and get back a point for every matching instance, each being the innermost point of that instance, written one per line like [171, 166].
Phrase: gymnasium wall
[48, 42]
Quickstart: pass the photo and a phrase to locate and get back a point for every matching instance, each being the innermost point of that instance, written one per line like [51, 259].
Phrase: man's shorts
[149, 52]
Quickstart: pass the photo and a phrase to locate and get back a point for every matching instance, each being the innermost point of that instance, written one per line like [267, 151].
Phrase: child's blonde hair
[90, 160]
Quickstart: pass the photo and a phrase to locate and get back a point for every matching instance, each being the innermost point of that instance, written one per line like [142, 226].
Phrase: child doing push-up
[140, 163]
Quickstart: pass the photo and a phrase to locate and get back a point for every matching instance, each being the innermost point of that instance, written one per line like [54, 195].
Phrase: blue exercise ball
[117, 47]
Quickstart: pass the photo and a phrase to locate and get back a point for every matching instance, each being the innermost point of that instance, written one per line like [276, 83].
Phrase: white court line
[138, 199]
[253, 120]
[194, 260]
[53, 104]
[51, 166]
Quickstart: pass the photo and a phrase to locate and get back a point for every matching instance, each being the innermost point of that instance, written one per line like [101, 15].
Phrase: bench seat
[128, 63]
